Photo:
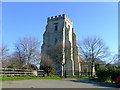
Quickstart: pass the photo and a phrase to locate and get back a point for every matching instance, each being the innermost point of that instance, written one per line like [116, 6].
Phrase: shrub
[47, 65]
[48, 69]
[114, 73]
[108, 73]
[102, 74]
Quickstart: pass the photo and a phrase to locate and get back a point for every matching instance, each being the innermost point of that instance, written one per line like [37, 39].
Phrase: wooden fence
[19, 72]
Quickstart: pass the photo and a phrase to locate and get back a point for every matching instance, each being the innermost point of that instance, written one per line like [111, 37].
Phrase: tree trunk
[92, 69]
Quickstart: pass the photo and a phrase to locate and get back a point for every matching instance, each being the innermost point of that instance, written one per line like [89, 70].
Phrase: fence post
[65, 74]
[14, 71]
[78, 73]
[60, 73]
[35, 72]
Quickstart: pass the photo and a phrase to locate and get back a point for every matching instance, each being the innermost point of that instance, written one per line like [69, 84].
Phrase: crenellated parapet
[63, 16]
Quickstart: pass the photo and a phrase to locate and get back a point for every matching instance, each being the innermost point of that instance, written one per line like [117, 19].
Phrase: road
[49, 83]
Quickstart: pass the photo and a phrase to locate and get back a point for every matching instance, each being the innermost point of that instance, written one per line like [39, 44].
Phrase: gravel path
[49, 83]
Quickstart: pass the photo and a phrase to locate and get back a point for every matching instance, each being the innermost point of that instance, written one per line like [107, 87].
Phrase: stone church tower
[59, 43]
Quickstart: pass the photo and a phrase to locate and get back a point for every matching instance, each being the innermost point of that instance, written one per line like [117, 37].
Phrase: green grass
[80, 77]
[4, 78]
[71, 76]
[83, 77]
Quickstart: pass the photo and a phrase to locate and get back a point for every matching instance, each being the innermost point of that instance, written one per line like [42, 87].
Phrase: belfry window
[56, 27]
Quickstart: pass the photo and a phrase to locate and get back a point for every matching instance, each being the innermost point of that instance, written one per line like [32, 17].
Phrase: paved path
[50, 83]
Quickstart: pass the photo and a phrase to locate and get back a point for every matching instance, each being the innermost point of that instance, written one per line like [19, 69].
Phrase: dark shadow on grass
[102, 84]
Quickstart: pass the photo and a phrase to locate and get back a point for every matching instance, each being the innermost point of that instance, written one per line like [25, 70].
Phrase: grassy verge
[4, 78]
[79, 77]
[83, 77]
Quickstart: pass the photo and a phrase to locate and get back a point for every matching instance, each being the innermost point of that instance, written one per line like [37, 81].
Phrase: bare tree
[92, 48]
[26, 49]
[19, 58]
[12, 62]
[47, 65]
[119, 56]
[5, 56]
[113, 60]
[19, 55]
[4, 51]
[57, 56]
[37, 58]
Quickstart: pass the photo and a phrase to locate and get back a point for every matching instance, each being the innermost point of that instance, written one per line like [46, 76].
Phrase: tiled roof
[81, 60]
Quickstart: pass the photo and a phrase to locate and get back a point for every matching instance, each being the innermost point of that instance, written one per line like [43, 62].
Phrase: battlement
[63, 16]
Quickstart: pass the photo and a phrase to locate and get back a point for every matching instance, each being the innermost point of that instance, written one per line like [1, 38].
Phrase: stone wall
[59, 43]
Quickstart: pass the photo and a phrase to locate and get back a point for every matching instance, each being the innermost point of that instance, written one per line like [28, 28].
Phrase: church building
[59, 43]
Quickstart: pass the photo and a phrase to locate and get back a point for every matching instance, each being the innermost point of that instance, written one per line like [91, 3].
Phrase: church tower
[59, 43]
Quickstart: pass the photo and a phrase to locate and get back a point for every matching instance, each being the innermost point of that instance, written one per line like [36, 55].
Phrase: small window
[65, 24]
[56, 27]
[55, 40]
[68, 27]
[48, 46]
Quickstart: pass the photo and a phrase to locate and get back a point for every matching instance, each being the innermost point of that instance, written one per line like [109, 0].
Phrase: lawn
[5, 78]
